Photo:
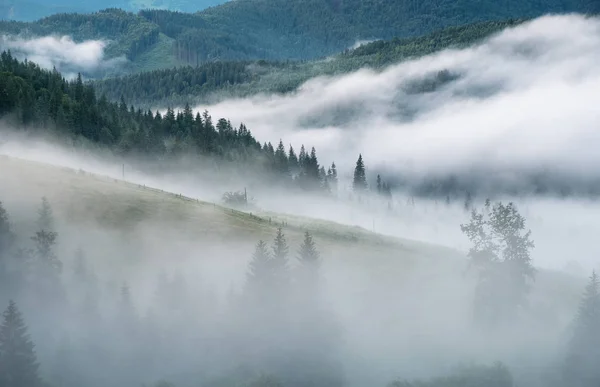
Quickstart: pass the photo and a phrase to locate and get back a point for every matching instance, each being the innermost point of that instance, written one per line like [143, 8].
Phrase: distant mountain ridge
[31, 10]
[276, 29]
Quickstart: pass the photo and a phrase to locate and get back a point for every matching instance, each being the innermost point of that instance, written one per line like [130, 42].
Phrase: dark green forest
[277, 29]
[194, 84]
[44, 102]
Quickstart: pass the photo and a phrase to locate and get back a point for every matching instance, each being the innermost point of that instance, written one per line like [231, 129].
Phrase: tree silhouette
[359, 183]
[18, 361]
[501, 254]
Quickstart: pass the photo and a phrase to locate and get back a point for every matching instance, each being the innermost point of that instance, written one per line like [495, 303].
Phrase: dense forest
[43, 101]
[275, 29]
[30, 10]
[192, 84]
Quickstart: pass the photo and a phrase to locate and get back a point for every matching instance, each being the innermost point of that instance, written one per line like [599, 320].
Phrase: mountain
[214, 80]
[29, 10]
[276, 29]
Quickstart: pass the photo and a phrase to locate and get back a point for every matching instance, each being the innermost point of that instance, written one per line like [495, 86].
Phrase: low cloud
[63, 53]
[521, 104]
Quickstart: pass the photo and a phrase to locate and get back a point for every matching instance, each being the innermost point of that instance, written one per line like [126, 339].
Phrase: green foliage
[290, 30]
[18, 361]
[32, 97]
[130, 34]
[205, 83]
[501, 252]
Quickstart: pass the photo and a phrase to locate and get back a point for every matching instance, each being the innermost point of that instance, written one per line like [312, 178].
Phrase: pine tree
[308, 255]
[581, 364]
[45, 217]
[293, 161]
[6, 244]
[279, 259]
[18, 361]
[281, 160]
[259, 277]
[379, 188]
[6, 234]
[359, 183]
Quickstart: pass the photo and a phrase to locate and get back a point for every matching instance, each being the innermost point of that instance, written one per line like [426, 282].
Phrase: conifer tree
[359, 183]
[293, 161]
[379, 188]
[45, 217]
[6, 243]
[581, 364]
[6, 234]
[309, 260]
[18, 360]
[279, 260]
[259, 277]
[281, 160]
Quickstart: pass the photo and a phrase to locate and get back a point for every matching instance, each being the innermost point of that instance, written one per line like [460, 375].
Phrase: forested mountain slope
[191, 84]
[29, 10]
[276, 29]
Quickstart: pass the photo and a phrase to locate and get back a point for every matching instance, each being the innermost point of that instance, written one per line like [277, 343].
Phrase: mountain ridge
[278, 29]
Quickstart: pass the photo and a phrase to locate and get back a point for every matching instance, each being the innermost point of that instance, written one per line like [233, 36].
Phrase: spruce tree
[359, 183]
[45, 217]
[6, 234]
[18, 361]
[281, 160]
[581, 364]
[309, 260]
[279, 259]
[379, 188]
[6, 244]
[293, 161]
[259, 276]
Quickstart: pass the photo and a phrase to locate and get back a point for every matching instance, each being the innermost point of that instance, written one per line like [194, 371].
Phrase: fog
[63, 53]
[520, 103]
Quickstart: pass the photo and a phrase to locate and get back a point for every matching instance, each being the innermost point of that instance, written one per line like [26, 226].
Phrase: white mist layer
[63, 53]
[541, 112]
[525, 100]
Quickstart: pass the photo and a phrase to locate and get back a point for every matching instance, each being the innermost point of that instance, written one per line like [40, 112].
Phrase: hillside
[276, 29]
[194, 84]
[87, 199]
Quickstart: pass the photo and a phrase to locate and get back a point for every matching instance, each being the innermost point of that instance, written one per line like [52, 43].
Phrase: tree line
[43, 100]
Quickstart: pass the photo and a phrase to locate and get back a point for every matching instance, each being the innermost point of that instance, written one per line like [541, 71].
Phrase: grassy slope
[121, 207]
[83, 197]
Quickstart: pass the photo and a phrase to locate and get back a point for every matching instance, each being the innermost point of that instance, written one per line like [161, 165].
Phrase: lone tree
[581, 367]
[359, 183]
[501, 253]
[18, 361]
[279, 259]
[45, 220]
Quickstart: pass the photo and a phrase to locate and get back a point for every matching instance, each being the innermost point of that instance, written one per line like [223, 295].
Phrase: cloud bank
[63, 53]
[521, 104]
